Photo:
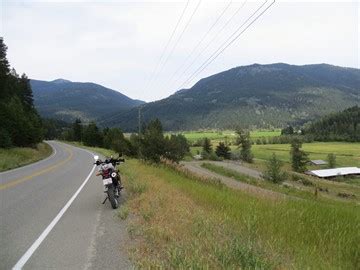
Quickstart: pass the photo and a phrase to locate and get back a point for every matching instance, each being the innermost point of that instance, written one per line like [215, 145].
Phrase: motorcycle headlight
[113, 174]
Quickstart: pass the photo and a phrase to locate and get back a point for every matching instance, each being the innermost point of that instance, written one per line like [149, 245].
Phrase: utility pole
[139, 133]
[139, 121]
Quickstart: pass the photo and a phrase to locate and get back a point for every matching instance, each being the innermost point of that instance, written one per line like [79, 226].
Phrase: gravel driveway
[195, 167]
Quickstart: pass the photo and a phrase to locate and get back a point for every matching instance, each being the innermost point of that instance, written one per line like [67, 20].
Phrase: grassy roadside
[182, 223]
[19, 156]
[178, 222]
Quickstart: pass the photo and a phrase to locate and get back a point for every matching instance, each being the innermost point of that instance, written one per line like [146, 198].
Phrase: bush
[273, 171]
[210, 156]
[331, 160]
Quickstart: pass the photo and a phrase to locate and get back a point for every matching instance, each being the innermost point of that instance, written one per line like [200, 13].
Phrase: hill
[255, 96]
[341, 126]
[66, 100]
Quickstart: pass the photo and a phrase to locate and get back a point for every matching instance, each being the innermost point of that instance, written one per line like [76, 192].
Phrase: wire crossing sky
[147, 50]
[155, 72]
[230, 40]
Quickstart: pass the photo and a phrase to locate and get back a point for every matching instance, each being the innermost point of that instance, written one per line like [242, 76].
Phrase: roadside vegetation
[176, 220]
[14, 157]
[179, 222]
[20, 124]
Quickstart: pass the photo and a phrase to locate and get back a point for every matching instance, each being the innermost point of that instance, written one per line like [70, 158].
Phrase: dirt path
[236, 166]
[195, 167]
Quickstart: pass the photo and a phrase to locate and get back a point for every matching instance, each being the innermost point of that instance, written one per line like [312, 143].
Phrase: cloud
[118, 43]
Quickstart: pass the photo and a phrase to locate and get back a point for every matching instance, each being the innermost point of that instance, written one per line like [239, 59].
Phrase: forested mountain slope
[259, 96]
[340, 126]
[66, 100]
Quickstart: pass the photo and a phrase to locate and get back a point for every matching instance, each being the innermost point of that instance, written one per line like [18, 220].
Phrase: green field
[229, 135]
[19, 156]
[347, 154]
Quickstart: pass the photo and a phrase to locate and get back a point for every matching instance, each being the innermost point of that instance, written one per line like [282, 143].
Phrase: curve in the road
[15, 182]
[46, 224]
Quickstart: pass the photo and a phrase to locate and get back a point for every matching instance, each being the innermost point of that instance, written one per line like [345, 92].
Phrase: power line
[180, 36]
[211, 41]
[168, 43]
[219, 51]
[201, 40]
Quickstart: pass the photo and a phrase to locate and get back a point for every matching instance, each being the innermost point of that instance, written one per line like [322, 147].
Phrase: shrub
[273, 171]
[331, 160]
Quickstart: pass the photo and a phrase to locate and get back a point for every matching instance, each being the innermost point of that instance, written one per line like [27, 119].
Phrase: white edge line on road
[48, 229]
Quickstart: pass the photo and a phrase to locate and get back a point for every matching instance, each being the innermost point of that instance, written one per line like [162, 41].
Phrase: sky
[122, 44]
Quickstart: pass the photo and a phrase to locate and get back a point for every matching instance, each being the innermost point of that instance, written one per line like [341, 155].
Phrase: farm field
[229, 135]
[347, 154]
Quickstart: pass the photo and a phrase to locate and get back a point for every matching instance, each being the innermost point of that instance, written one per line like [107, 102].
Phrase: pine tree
[299, 158]
[4, 70]
[92, 136]
[77, 130]
[207, 145]
[25, 93]
[114, 139]
[152, 143]
[244, 143]
[176, 147]
[222, 150]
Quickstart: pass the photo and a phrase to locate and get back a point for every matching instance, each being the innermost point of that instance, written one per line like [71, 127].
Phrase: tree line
[341, 126]
[20, 124]
[150, 145]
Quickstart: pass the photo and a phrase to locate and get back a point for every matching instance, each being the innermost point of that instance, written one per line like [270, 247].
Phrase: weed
[123, 212]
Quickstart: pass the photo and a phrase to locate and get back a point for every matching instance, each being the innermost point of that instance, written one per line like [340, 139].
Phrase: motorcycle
[111, 179]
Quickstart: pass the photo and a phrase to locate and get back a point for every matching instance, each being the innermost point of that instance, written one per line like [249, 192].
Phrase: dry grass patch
[173, 231]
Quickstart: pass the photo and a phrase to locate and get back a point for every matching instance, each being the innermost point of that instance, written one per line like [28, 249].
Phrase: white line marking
[36, 244]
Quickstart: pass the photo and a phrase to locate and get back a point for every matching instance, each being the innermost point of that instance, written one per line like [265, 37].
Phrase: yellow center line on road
[28, 177]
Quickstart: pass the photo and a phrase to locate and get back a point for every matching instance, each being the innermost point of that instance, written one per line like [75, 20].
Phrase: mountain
[66, 100]
[255, 96]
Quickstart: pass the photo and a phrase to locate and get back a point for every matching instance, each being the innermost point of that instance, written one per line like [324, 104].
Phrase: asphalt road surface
[52, 218]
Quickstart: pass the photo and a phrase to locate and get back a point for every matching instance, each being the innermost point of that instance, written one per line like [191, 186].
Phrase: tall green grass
[19, 156]
[296, 234]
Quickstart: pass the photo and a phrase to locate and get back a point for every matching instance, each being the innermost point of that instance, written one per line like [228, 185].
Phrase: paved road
[87, 236]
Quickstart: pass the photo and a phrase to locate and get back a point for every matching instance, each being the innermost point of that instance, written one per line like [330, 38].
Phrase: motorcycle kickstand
[104, 200]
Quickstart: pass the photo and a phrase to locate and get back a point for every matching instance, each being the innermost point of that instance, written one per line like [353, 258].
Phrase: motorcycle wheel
[113, 201]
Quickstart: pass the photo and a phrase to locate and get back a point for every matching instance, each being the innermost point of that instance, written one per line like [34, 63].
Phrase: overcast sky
[119, 43]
